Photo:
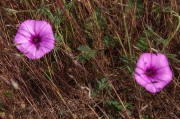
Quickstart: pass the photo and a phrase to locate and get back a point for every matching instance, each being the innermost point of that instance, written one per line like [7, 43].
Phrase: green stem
[177, 28]
[127, 36]
[119, 39]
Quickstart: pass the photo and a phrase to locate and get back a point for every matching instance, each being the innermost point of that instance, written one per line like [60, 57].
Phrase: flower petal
[159, 60]
[43, 29]
[154, 87]
[140, 77]
[23, 47]
[163, 78]
[40, 53]
[164, 71]
[25, 32]
[49, 38]
[48, 45]
[31, 52]
[27, 28]
[144, 61]
[20, 39]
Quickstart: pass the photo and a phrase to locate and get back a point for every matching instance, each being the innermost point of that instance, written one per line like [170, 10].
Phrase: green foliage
[83, 48]
[56, 18]
[69, 5]
[151, 34]
[8, 93]
[21, 1]
[173, 57]
[109, 41]
[128, 64]
[86, 53]
[89, 41]
[142, 44]
[124, 59]
[48, 74]
[176, 30]
[148, 117]
[59, 40]
[117, 106]
[44, 10]
[11, 11]
[100, 19]
[138, 4]
[96, 19]
[103, 84]
[61, 114]
[152, 37]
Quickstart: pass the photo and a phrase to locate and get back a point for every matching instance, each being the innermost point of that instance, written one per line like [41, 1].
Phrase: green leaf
[86, 53]
[58, 17]
[109, 41]
[58, 38]
[173, 57]
[103, 84]
[83, 48]
[128, 63]
[44, 10]
[8, 93]
[152, 37]
[69, 5]
[21, 1]
[142, 43]
[156, 38]
[138, 4]
[117, 106]
[124, 59]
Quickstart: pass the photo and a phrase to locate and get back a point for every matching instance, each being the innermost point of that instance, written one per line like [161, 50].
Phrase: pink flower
[153, 72]
[34, 38]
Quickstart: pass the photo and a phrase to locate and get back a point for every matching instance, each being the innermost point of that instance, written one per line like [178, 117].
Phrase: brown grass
[58, 83]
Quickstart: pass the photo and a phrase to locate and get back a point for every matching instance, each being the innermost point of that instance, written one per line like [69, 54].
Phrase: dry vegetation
[89, 74]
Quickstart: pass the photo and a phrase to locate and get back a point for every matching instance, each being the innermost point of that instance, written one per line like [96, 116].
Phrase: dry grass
[58, 86]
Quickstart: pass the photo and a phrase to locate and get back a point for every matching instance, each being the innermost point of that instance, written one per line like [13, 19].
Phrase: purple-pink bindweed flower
[34, 38]
[153, 72]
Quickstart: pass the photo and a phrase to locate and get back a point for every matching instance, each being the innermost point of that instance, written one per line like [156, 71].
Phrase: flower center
[36, 40]
[150, 72]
